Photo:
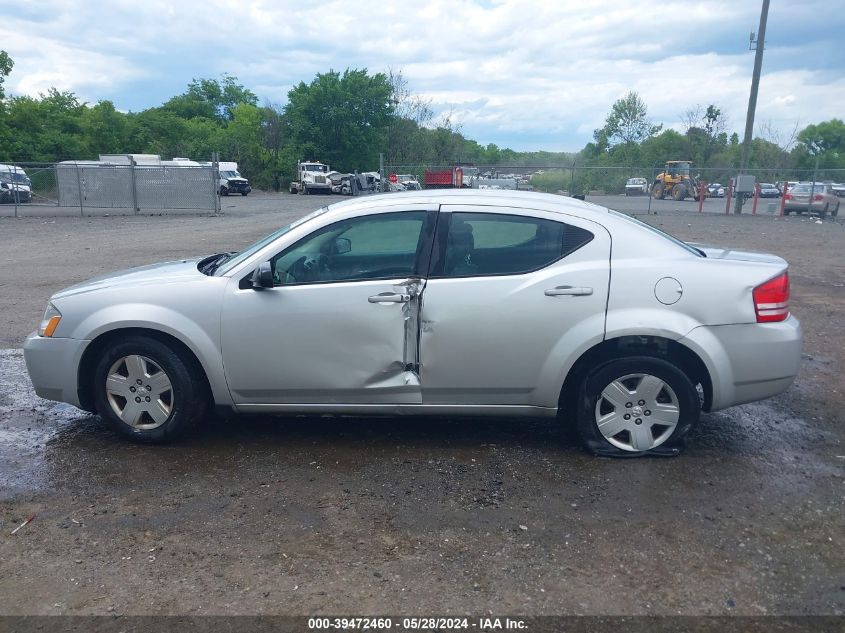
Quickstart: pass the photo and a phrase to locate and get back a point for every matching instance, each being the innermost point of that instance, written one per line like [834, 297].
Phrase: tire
[305, 190]
[679, 192]
[244, 193]
[657, 191]
[162, 371]
[292, 189]
[224, 191]
[675, 401]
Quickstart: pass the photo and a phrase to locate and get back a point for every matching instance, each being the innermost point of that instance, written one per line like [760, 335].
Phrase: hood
[167, 272]
[237, 179]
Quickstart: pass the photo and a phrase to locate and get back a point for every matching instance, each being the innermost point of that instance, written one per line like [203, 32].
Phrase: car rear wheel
[635, 406]
[147, 391]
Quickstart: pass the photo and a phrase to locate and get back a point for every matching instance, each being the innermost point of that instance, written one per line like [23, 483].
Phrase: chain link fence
[578, 180]
[97, 188]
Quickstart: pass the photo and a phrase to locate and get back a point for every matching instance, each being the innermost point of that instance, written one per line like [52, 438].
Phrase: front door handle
[574, 291]
[390, 297]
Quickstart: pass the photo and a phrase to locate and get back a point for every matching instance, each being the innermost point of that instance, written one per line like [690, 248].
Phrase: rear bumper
[748, 362]
[53, 366]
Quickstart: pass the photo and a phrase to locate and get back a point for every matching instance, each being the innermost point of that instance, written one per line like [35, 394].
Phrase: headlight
[50, 321]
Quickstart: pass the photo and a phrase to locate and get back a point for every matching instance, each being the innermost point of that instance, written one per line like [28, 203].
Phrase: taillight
[818, 197]
[771, 299]
[788, 196]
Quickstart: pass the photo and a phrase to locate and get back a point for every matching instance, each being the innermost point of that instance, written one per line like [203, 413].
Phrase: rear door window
[484, 244]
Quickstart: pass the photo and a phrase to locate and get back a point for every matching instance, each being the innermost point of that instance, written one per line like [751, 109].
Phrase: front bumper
[53, 366]
[748, 362]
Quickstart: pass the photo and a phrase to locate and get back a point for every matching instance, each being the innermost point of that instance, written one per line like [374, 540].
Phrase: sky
[530, 75]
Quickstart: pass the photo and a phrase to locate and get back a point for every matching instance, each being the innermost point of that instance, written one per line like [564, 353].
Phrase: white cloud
[539, 69]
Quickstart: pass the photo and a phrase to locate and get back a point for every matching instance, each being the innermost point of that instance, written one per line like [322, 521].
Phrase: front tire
[147, 391]
[636, 406]
[658, 192]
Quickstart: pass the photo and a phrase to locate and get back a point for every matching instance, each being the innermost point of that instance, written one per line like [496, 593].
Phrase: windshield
[16, 176]
[249, 251]
[674, 240]
[315, 168]
[230, 174]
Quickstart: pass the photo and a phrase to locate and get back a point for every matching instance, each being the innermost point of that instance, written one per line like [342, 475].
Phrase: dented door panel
[323, 343]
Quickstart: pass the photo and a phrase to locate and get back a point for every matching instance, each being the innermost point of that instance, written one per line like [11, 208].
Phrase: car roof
[484, 197]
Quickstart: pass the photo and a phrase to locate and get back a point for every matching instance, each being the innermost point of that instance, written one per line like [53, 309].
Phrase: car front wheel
[147, 391]
[636, 406]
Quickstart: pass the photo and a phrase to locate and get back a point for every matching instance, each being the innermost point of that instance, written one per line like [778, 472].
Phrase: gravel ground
[302, 516]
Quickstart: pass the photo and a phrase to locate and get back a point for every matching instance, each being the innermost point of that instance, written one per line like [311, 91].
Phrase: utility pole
[759, 45]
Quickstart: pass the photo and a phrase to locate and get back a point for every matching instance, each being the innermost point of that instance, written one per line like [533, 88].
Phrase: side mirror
[342, 245]
[263, 276]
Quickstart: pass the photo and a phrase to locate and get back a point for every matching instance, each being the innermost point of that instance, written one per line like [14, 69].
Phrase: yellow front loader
[676, 180]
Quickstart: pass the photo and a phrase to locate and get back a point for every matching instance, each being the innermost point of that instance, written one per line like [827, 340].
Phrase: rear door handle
[389, 297]
[574, 291]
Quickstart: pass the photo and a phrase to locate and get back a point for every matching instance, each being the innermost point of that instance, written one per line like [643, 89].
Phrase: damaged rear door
[341, 324]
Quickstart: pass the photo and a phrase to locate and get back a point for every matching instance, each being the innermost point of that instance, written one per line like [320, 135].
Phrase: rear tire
[147, 391]
[660, 402]
[657, 192]
[679, 192]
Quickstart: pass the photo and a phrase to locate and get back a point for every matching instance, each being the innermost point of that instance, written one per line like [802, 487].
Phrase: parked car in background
[15, 185]
[626, 344]
[716, 190]
[785, 184]
[768, 190]
[409, 181]
[636, 187]
[808, 197]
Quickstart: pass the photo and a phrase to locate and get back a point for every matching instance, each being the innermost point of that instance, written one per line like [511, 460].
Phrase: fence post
[215, 179]
[79, 189]
[784, 191]
[729, 196]
[132, 164]
[756, 196]
[702, 190]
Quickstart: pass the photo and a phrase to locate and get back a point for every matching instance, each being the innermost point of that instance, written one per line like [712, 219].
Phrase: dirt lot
[302, 516]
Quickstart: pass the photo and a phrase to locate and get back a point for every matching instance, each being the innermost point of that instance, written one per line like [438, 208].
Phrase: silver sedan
[446, 302]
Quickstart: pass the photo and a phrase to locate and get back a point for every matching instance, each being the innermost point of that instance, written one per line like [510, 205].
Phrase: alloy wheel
[637, 412]
[139, 392]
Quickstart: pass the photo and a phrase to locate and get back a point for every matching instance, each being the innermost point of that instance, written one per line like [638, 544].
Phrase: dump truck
[676, 180]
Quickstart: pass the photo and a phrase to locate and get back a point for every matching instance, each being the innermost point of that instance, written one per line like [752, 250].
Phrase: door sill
[404, 409]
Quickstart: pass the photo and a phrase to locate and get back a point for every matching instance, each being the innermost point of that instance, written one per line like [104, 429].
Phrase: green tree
[211, 99]
[105, 129]
[627, 123]
[6, 65]
[341, 119]
[825, 140]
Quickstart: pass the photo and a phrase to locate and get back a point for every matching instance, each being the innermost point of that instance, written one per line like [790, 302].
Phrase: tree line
[346, 119]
